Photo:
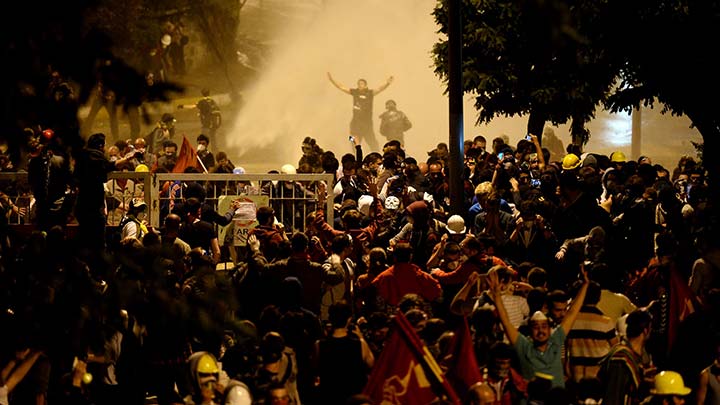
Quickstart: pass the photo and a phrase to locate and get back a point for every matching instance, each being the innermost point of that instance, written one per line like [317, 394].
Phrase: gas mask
[207, 373]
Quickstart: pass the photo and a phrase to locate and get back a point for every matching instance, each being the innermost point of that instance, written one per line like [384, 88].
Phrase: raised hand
[254, 243]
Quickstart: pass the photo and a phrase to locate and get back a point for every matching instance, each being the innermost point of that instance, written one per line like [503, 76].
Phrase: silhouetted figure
[361, 125]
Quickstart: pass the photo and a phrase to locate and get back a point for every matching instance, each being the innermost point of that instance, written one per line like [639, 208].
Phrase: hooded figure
[204, 376]
[421, 231]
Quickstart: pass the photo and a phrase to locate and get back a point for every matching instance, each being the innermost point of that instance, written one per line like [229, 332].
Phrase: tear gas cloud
[373, 39]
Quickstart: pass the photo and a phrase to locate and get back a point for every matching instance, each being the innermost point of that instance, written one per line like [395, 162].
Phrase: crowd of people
[588, 278]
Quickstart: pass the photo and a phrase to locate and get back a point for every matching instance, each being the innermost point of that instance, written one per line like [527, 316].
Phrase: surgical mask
[201, 147]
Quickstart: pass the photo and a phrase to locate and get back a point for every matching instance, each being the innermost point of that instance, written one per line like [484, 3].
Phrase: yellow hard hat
[669, 383]
[207, 364]
[141, 168]
[570, 161]
[618, 157]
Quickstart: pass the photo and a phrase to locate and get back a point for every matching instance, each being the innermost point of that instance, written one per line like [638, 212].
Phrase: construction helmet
[137, 205]
[141, 168]
[456, 224]
[570, 162]
[618, 157]
[669, 383]
[207, 364]
[288, 169]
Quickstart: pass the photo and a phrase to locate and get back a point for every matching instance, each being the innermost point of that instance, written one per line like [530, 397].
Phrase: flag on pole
[406, 372]
[186, 158]
[463, 370]
[683, 302]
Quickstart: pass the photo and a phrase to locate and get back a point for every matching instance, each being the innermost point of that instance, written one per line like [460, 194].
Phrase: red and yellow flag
[406, 372]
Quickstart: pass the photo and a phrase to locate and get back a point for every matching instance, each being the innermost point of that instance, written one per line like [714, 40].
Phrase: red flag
[406, 372]
[186, 158]
[463, 370]
[683, 302]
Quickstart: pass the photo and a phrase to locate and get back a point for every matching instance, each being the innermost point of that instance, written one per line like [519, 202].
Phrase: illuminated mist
[373, 39]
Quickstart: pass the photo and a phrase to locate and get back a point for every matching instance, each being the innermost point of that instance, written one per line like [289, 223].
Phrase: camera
[501, 155]
[528, 137]
[535, 183]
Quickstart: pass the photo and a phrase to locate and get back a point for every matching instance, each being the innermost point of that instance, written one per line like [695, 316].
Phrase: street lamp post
[455, 95]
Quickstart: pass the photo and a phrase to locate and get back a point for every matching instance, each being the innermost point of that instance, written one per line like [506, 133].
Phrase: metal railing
[293, 196]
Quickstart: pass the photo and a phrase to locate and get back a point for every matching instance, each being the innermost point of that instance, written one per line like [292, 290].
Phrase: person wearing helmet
[204, 377]
[617, 159]
[669, 389]
[571, 162]
[133, 224]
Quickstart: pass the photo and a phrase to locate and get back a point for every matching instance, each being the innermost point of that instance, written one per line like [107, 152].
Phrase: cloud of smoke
[372, 39]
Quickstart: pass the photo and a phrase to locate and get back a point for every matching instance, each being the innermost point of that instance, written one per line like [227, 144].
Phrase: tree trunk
[709, 128]
[219, 25]
[536, 124]
[580, 135]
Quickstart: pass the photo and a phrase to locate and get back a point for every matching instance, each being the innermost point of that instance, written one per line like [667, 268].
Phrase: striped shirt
[589, 341]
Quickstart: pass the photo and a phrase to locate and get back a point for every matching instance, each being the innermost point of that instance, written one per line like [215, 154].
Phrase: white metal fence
[293, 196]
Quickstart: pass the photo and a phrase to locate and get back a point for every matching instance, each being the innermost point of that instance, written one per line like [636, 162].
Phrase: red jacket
[480, 263]
[406, 278]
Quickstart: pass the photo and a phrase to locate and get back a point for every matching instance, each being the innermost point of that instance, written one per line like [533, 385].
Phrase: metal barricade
[15, 185]
[293, 196]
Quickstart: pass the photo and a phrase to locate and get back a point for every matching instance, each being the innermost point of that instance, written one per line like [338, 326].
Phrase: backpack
[209, 113]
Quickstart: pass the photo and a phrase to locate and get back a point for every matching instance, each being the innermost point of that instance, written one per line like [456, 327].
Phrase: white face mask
[201, 147]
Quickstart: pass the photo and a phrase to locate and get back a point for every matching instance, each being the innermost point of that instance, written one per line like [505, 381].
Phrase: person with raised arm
[541, 353]
[361, 125]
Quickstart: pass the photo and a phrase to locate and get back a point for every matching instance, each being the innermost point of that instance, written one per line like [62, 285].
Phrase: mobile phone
[351, 138]
[528, 137]
[501, 155]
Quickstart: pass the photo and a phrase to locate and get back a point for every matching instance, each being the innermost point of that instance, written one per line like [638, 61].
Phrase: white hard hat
[455, 224]
[288, 169]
